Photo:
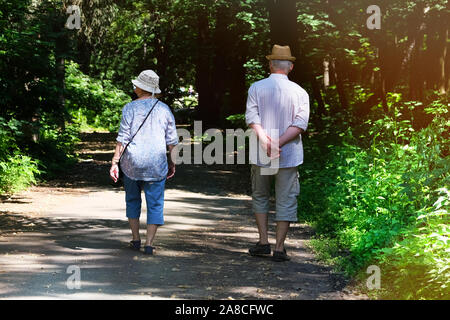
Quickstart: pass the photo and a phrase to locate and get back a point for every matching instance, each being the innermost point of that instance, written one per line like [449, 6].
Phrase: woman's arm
[171, 161]
[114, 171]
[122, 138]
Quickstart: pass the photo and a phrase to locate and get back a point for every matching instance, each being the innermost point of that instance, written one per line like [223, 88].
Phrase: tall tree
[284, 28]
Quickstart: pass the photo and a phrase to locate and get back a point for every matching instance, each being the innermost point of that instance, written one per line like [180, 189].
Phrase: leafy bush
[91, 102]
[418, 265]
[372, 195]
[237, 121]
[17, 170]
[56, 148]
[23, 162]
[17, 173]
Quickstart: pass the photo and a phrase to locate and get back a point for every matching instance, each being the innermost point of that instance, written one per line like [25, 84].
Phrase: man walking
[276, 104]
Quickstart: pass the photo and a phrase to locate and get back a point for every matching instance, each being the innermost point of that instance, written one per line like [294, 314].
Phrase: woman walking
[147, 132]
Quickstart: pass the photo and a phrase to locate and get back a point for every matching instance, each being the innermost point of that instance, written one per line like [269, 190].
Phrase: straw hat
[148, 80]
[281, 53]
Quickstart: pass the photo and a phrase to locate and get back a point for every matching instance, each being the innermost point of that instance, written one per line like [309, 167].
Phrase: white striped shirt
[276, 103]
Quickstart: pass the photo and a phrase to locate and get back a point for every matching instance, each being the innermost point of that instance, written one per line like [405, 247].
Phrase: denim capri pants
[154, 196]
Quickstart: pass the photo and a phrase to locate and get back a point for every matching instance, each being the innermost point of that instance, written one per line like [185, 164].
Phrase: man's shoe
[260, 249]
[135, 245]
[148, 250]
[280, 256]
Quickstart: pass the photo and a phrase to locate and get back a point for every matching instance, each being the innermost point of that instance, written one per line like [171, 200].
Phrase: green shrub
[56, 148]
[17, 171]
[23, 162]
[237, 121]
[93, 103]
[368, 194]
[418, 265]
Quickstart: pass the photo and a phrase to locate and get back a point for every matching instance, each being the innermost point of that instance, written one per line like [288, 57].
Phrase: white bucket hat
[148, 80]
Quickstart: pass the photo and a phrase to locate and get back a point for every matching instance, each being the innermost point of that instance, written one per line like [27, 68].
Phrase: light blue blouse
[146, 158]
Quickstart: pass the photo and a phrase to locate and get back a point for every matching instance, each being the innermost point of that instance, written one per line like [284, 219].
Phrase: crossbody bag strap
[123, 152]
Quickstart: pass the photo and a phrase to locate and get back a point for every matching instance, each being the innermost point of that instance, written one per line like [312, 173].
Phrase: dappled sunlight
[173, 222]
[201, 252]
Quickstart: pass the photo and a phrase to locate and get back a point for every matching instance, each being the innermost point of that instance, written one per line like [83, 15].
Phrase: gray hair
[281, 65]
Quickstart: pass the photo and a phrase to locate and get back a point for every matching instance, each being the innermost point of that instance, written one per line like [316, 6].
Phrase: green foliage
[24, 162]
[372, 189]
[255, 71]
[17, 170]
[237, 121]
[91, 102]
[418, 265]
[32, 43]
[56, 148]
[376, 188]
[17, 173]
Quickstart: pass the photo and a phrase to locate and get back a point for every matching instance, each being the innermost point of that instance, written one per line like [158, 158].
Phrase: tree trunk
[237, 85]
[284, 28]
[414, 59]
[203, 71]
[416, 74]
[444, 61]
[238, 57]
[326, 73]
[61, 49]
[220, 63]
[339, 79]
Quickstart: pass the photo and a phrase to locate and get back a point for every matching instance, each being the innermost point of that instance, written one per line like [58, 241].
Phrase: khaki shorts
[287, 189]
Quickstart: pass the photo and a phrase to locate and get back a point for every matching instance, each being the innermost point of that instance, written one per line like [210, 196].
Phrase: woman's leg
[133, 201]
[134, 226]
[151, 232]
[154, 195]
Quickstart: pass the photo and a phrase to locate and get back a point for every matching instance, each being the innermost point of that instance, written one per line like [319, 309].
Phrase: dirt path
[201, 252]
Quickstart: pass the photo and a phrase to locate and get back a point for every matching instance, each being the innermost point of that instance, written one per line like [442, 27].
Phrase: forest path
[201, 252]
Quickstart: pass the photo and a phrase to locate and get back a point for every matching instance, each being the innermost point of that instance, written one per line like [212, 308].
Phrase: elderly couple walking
[147, 134]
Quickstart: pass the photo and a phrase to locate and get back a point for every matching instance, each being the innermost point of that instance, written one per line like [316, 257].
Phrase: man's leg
[282, 230]
[287, 189]
[262, 223]
[260, 202]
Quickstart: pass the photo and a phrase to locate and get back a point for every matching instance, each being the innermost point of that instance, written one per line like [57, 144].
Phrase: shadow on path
[201, 251]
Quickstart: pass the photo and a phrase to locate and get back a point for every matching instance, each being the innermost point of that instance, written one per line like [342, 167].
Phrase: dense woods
[375, 183]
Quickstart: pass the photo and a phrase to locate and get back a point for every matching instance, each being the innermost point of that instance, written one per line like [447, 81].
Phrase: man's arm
[290, 134]
[271, 146]
[253, 120]
[300, 122]
[259, 132]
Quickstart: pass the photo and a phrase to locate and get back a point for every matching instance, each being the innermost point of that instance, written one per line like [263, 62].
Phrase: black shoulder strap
[123, 152]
